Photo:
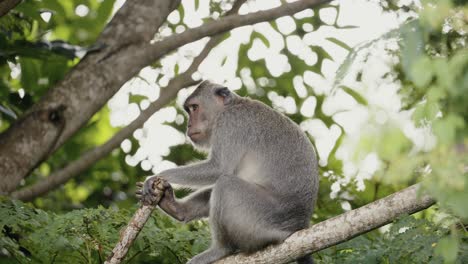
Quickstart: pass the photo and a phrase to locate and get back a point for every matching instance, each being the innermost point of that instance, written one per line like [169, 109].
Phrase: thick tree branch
[89, 158]
[7, 5]
[89, 85]
[339, 229]
[24, 152]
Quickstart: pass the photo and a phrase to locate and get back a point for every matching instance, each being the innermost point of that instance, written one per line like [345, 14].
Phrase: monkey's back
[277, 154]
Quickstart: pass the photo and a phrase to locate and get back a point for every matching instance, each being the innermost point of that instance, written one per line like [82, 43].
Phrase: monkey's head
[203, 106]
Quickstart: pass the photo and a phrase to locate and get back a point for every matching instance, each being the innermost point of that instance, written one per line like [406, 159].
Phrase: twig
[129, 234]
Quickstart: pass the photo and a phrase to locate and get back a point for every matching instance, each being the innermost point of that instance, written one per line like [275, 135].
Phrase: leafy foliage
[408, 240]
[432, 66]
[88, 236]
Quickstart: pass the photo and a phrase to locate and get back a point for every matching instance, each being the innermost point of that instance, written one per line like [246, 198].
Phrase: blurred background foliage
[40, 41]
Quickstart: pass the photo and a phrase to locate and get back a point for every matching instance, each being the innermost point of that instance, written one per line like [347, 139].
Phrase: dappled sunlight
[221, 66]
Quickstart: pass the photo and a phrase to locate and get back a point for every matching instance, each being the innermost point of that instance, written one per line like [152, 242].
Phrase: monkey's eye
[193, 107]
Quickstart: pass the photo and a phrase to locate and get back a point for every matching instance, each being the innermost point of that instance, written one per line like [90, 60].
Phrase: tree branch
[18, 161]
[131, 231]
[90, 157]
[89, 85]
[339, 229]
[7, 5]
[157, 50]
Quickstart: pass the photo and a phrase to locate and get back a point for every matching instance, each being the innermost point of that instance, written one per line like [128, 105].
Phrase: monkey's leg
[246, 216]
[192, 207]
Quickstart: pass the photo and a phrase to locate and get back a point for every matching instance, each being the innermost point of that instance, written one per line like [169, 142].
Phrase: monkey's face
[200, 122]
[202, 107]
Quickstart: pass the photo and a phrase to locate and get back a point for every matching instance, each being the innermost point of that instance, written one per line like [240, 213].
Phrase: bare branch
[129, 234]
[90, 157]
[339, 229]
[131, 231]
[158, 49]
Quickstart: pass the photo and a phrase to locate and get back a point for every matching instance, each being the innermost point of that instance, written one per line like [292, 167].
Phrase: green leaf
[448, 249]
[340, 43]
[425, 112]
[445, 76]
[357, 96]
[104, 10]
[394, 143]
[351, 57]
[422, 71]
[260, 36]
[446, 128]
[412, 45]
[136, 98]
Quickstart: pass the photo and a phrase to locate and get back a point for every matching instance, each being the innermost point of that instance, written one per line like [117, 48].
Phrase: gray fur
[264, 175]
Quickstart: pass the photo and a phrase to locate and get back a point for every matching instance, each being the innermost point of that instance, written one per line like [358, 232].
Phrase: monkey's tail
[305, 260]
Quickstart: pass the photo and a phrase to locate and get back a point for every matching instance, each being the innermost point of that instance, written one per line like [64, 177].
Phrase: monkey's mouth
[193, 134]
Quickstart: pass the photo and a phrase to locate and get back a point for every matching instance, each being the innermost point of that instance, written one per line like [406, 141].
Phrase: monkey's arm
[195, 206]
[201, 173]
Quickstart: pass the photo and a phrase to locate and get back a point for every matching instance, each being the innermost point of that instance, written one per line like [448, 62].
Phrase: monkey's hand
[151, 190]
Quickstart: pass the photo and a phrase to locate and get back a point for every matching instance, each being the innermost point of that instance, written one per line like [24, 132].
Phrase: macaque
[259, 182]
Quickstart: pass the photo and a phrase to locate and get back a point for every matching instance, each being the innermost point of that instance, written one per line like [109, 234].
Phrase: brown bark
[25, 152]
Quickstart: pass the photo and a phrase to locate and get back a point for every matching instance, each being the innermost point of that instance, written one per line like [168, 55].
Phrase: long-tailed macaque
[261, 176]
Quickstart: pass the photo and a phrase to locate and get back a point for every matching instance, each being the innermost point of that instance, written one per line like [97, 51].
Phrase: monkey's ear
[225, 94]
